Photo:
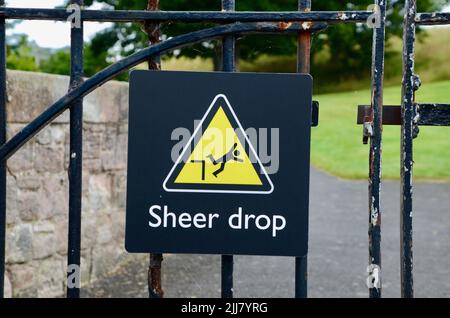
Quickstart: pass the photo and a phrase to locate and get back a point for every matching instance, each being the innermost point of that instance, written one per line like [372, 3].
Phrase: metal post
[406, 151]
[2, 140]
[154, 276]
[228, 65]
[76, 151]
[155, 260]
[303, 66]
[375, 150]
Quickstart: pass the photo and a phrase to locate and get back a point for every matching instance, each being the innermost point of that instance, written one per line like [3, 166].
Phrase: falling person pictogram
[232, 154]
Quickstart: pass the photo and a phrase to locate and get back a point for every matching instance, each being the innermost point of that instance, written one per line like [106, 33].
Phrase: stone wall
[37, 205]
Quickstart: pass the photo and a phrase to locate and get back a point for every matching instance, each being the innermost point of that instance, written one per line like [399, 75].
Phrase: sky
[47, 33]
[55, 34]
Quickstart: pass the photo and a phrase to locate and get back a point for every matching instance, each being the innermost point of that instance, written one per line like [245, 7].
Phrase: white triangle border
[188, 144]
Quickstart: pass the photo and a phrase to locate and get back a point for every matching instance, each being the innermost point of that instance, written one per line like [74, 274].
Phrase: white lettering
[258, 223]
[200, 220]
[211, 219]
[278, 227]
[261, 222]
[167, 215]
[194, 308]
[154, 215]
[237, 216]
[161, 216]
[248, 217]
[185, 220]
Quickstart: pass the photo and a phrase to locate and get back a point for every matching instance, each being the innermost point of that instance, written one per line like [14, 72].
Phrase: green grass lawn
[337, 143]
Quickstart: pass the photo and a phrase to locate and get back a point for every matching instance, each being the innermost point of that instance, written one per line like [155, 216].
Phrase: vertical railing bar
[406, 152]
[2, 140]
[375, 155]
[155, 260]
[228, 65]
[76, 152]
[303, 66]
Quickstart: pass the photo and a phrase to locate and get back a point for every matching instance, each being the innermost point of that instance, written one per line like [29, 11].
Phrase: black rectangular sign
[218, 163]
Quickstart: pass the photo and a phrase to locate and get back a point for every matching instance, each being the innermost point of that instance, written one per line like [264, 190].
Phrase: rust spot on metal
[284, 25]
[154, 276]
[305, 25]
[153, 5]
[303, 52]
[153, 32]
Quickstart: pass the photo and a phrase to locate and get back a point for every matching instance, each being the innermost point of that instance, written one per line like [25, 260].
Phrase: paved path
[338, 251]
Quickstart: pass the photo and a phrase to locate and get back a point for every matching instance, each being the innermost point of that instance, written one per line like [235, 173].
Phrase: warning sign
[219, 157]
[218, 163]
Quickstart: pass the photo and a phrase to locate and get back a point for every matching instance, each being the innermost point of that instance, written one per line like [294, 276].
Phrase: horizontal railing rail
[436, 18]
[187, 16]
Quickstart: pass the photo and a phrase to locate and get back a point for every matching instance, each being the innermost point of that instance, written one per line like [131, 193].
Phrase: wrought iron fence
[229, 24]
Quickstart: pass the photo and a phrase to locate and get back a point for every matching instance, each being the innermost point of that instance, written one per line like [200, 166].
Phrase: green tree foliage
[96, 57]
[341, 52]
[20, 56]
[347, 47]
[100, 52]
[57, 63]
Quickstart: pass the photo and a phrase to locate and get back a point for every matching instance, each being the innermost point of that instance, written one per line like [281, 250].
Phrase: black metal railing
[231, 24]
[2, 141]
[228, 65]
[411, 112]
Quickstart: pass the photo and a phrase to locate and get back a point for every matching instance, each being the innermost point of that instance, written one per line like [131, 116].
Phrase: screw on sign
[216, 195]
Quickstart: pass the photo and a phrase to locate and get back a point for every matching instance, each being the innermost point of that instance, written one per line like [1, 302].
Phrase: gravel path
[338, 251]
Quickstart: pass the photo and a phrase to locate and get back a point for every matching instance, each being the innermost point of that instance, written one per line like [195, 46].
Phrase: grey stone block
[44, 240]
[19, 240]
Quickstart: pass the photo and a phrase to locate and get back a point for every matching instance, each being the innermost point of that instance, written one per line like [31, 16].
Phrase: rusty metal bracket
[424, 114]
[367, 129]
[315, 114]
[416, 85]
[417, 82]
[416, 118]
[367, 122]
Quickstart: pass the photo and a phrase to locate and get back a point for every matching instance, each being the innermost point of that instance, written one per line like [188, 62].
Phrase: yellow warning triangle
[219, 161]
[219, 157]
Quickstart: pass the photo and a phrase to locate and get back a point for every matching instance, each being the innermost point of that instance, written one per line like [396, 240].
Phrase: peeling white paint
[343, 17]
[374, 276]
[306, 25]
[373, 213]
